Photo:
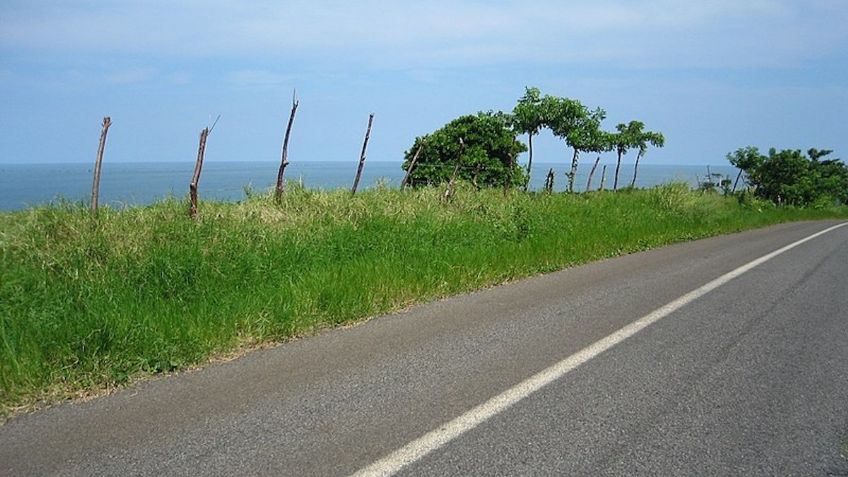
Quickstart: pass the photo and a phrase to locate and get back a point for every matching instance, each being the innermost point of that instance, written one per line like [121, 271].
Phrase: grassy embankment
[91, 303]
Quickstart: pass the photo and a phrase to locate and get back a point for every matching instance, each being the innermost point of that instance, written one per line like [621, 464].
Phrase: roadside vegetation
[486, 145]
[790, 177]
[93, 301]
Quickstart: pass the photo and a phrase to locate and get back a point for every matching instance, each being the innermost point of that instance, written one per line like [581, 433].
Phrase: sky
[712, 76]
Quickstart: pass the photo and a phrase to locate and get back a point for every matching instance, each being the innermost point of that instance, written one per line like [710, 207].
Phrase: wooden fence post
[603, 177]
[195, 178]
[95, 186]
[284, 159]
[362, 155]
[405, 181]
[549, 181]
[198, 166]
[449, 190]
[591, 173]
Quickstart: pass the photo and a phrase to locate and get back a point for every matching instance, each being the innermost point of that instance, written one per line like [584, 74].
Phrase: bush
[483, 146]
[790, 177]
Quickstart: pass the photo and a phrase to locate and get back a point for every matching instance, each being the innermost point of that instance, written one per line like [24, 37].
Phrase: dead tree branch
[95, 186]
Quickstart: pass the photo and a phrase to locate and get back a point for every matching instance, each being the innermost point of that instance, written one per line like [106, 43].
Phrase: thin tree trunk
[735, 183]
[529, 160]
[362, 155]
[284, 159]
[409, 169]
[592, 173]
[573, 173]
[635, 170]
[603, 177]
[549, 181]
[95, 186]
[617, 169]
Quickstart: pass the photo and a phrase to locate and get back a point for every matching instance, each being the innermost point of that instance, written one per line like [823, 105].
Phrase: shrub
[481, 148]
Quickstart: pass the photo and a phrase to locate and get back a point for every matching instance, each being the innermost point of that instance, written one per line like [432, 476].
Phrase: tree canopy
[485, 146]
[481, 148]
[791, 177]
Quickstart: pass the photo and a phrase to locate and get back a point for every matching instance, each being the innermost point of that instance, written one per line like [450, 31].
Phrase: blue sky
[712, 76]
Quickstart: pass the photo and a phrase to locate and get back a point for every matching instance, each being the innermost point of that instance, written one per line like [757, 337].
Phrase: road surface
[748, 377]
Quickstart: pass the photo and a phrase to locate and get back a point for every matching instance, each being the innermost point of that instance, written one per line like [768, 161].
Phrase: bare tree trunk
[617, 168]
[362, 155]
[735, 183]
[635, 170]
[573, 173]
[95, 186]
[603, 177]
[409, 169]
[284, 159]
[529, 160]
[195, 179]
[549, 181]
[592, 173]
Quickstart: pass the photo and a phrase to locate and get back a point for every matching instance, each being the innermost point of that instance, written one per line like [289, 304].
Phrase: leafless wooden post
[195, 178]
[362, 155]
[591, 173]
[603, 177]
[198, 165]
[410, 168]
[449, 190]
[95, 186]
[549, 181]
[284, 159]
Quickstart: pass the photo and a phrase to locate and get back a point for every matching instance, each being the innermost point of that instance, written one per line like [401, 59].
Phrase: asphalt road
[749, 379]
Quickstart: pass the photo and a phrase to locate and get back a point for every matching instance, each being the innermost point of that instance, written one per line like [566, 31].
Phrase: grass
[89, 303]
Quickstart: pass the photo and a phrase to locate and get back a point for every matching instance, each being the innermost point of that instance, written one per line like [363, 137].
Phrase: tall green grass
[88, 303]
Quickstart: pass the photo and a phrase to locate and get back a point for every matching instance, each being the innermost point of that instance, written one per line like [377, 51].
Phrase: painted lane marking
[449, 431]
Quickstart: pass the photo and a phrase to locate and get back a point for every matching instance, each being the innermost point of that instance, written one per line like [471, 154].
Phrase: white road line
[449, 431]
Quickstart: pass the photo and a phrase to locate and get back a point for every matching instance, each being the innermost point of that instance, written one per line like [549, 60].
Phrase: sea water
[125, 184]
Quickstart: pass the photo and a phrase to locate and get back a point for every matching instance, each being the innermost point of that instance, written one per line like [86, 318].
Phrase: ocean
[127, 184]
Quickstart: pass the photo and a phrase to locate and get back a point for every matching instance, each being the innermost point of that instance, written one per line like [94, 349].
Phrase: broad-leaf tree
[790, 177]
[571, 121]
[642, 139]
[528, 118]
[480, 148]
[745, 159]
[623, 141]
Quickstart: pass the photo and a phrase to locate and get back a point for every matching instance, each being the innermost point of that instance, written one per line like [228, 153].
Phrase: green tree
[788, 176]
[622, 141]
[480, 148]
[642, 139]
[529, 118]
[573, 122]
[745, 159]
[831, 176]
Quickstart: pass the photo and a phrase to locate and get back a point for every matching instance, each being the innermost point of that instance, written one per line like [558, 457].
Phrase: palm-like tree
[641, 141]
[528, 118]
